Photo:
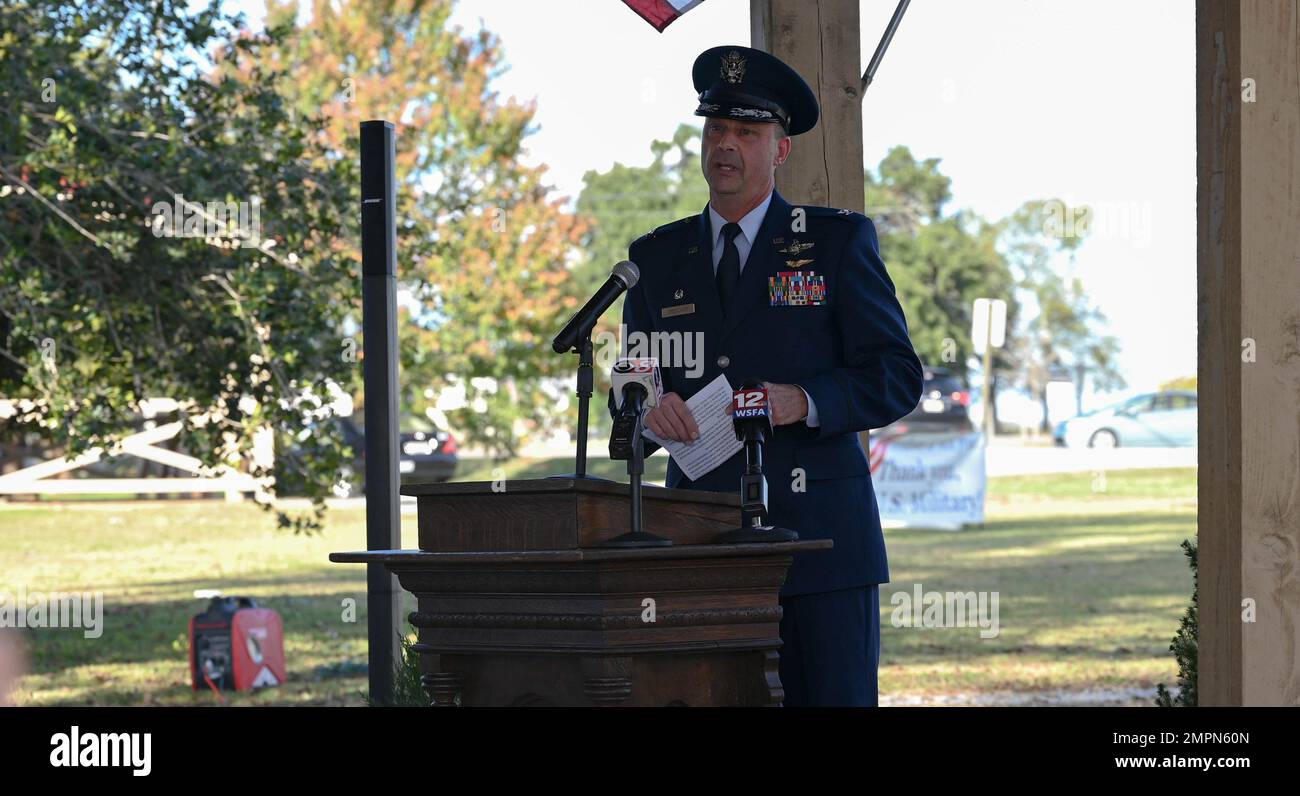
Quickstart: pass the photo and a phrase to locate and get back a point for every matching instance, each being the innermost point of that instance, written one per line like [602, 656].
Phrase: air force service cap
[750, 85]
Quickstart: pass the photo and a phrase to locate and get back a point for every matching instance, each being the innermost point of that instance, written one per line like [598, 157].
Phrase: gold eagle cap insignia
[733, 67]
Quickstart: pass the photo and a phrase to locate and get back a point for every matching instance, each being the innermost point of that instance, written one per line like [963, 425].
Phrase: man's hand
[787, 403]
[672, 420]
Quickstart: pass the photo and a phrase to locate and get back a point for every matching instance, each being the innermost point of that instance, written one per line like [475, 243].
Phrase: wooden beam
[821, 40]
[1248, 207]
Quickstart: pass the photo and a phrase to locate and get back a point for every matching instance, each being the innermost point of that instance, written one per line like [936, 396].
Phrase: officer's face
[741, 157]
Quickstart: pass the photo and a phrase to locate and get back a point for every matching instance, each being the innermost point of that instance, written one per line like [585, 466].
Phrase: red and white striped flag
[661, 13]
[877, 447]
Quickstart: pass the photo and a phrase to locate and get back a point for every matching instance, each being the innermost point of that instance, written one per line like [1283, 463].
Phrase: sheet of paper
[711, 408]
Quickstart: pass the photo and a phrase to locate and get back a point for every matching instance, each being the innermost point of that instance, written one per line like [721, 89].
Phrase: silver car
[1161, 420]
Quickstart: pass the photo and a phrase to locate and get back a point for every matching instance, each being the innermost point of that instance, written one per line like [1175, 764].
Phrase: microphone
[636, 380]
[751, 415]
[624, 277]
[751, 418]
[636, 385]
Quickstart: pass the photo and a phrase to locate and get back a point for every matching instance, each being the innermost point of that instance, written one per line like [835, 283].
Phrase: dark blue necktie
[728, 275]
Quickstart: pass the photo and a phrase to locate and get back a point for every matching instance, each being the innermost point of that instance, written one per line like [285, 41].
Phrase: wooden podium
[519, 605]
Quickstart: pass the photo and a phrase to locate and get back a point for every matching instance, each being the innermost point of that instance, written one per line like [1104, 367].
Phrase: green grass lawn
[148, 559]
[1091, 585]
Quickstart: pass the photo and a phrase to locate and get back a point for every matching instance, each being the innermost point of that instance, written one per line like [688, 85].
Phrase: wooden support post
[1248, 240]
[821, 40]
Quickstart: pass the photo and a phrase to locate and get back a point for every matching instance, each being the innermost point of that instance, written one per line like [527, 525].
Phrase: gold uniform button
[724, 361]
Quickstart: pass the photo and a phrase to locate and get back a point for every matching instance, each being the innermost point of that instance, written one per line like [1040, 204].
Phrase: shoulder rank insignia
[796, 289]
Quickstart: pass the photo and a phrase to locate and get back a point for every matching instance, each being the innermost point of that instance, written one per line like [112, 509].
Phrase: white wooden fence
[36, 480]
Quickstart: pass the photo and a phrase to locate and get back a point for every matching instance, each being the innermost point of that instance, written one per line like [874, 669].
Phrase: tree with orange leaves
[483, 253]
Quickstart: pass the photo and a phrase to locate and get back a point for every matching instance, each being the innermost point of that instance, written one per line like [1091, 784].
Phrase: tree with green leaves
[104, 300]
[940, 262]
[484, 253]
[123, 107]
[1061, 339]
[626, 202]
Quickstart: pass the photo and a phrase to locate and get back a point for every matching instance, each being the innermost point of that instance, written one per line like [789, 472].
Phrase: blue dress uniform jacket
[851, 354]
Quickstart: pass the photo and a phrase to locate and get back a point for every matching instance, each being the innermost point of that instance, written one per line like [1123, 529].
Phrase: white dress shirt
[748, 232]
[749, 225]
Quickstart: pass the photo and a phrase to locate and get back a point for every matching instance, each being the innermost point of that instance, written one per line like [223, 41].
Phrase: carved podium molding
[514, 623]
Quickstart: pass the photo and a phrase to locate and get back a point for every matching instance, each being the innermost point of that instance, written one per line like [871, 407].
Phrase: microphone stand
[753, 500]
[626, 443]
[586, 384]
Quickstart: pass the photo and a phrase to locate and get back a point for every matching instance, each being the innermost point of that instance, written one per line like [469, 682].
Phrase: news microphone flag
[750, 404]
[637, 370]
[661, 13]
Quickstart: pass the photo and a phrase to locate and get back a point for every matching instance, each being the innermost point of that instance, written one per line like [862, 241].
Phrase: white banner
[929, 480]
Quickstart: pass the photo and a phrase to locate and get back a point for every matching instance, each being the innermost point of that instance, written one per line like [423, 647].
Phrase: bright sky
[1020, 99]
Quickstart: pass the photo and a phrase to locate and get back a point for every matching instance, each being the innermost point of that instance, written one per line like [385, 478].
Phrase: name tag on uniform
[796, 289]
[680, 309]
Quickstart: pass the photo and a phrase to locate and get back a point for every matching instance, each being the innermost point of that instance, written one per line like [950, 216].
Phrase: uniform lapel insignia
[778, 241]
[693, 250]
[679, 294]
[795, 247]
[797, 263]
[796, 289]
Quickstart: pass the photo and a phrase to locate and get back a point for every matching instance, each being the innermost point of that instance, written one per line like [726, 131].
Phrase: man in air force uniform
[796, 296]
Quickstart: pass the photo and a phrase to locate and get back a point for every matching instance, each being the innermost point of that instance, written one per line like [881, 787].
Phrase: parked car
[426, 453]
[1161, 419]
[944, 406]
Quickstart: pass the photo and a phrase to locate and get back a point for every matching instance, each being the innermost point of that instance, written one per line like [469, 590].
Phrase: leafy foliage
[1180, 383]
[1061, 339]
[484, 254]
[110, 116]
[1185, 645]
[940, 263]
[626, 202]
[407, 691]
[119, 106]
